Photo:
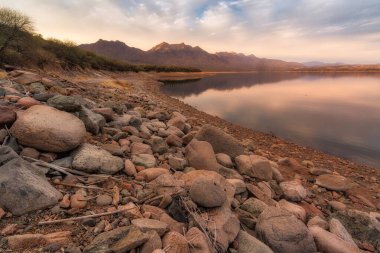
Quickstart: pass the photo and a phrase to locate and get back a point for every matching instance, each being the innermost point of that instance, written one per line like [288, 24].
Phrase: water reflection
[336, 113]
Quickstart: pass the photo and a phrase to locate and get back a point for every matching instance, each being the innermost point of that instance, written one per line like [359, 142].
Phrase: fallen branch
[84, 217]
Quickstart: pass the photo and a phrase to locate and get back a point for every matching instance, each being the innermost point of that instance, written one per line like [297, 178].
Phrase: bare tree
[12, 25]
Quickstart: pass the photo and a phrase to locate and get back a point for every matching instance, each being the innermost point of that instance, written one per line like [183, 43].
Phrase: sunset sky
[295, 30]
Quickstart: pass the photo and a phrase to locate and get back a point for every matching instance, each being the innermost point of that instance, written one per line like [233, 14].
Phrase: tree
[13, 24]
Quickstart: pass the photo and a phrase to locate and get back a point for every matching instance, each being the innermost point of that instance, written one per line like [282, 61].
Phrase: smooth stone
[27, 102]
[175, 243]
[154, 243]
[337, 228]
[238, 184]
[200, 155]
[48, 129]
[220, 141]
[224, 160]
[104, 200]
[318, 221]
[254, 206]
[298, 211]
[7, 116]
[283, 232]
[249, 244]
[146, 225]
[146, 160]
[198, 241]
[334, 182]
[293, 190]
[254, 166]
[151, 173]
[208, 192]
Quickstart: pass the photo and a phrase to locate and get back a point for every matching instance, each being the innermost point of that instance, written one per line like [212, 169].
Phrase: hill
[186, 55]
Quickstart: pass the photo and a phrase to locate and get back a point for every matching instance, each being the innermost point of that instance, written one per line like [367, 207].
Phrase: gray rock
[337, 228]
[220, 141]
[119, 240]
[64, 103]
[93, 122]
[208, 192]
[283, 232]
[254, 206]
[48, 129]
[254, 166]
[159, 145]
[23, 188]
[92, 159]
[37, 88]
[146, 160]
[200, 155]
[249, 244]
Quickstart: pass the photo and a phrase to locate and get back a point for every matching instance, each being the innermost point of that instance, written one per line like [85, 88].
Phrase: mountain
[186, 56]
[320, 64]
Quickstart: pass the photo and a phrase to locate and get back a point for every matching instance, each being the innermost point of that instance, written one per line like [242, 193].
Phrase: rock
[92, 159]
[220, 141]
[36, 88]
[334, 182]
[289, 162]
[283, 232]
[249, 244]
[118, 240]
[319, 171]
[254, 166]
[178, 122]
[329, 243]
[152, 173]
[208, 192]
[336, 205]
[129, 168]
[93, 122]
[293, 190]
[161, 215]
[201, 156]
[238, 184]
[167, 184]
[296, 210]
[114, 148]
[23, 189]
[145, 160]
[27, 78]
[64, 103]
[30, 152]
[177, 163]
[7, 117]
[27, 102]
[146, 225]
[224, 160]
[48, 129]
[198, 241]
[107, 113]
[337, 228]
[276, 172]
[256, 192]
[104, 200]
[78, 200]
[254, 206]
[154, 242]
[318, 221]
[159, 145]
[140, 148]
[175, 243]
[174, 140]
[30, 241]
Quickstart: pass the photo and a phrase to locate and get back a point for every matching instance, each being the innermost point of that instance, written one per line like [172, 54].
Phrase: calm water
[335, 113]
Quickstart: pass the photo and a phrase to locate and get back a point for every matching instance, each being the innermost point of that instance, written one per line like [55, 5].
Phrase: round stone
[334, 182]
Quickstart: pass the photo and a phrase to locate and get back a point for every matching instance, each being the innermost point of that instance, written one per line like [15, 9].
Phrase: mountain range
[186, 56]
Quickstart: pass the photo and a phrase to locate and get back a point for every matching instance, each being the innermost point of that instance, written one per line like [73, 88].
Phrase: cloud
[300, 30]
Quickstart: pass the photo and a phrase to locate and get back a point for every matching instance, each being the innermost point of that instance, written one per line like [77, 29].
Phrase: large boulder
[249, 244]
[92, 159]
[329, 243]
[48, 129]
[200, 155]
[283, 232]
[254, 166]
[220, 141]
[23, 187]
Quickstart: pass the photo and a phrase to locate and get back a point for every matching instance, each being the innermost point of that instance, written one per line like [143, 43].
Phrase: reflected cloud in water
[336, 113]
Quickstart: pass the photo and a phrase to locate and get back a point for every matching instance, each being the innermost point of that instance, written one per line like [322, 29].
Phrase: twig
[83, 186]
[84, 217]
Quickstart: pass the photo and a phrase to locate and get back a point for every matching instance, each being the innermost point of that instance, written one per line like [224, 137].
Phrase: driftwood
[84, 217]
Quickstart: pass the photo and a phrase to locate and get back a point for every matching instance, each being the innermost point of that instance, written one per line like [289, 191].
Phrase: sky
[345, 31]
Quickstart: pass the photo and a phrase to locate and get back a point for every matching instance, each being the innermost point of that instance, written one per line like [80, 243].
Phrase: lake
[335, 113]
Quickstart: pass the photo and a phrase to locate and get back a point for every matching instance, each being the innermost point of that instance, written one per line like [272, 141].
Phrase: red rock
[10, 229]
[7, 116]
[78, 201]
[27, 102]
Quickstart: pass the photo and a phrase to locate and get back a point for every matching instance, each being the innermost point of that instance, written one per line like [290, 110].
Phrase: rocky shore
[104, 162]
